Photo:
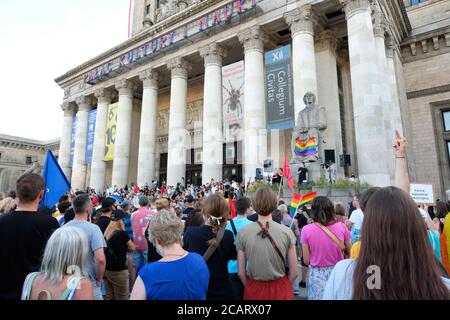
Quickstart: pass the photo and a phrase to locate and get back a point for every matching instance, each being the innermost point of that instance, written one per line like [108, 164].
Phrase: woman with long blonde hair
[215, 244]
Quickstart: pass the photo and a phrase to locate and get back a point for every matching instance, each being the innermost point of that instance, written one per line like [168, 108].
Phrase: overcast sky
[41, 40]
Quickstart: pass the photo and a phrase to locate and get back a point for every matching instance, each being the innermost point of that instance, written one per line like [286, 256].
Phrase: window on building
[446, 117]
[414, 2]
[158, 3]
[28, 160]
[147, 9]
[0, 156]
[448, 149]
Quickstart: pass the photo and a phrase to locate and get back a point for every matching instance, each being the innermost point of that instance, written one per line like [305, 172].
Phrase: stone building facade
[376, 66]
[426, 66]
[17, 155]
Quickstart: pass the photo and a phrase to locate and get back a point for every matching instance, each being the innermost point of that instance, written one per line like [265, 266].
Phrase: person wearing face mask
[179, 275]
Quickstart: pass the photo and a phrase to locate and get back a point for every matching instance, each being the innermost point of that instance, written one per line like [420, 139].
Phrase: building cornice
[428, 92]
[24, 143]
[159, 27]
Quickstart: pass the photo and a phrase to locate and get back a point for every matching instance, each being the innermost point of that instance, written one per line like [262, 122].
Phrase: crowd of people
[214, 243]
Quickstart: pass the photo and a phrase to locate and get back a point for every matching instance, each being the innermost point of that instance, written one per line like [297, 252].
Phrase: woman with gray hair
[179, 275]
[63, 270]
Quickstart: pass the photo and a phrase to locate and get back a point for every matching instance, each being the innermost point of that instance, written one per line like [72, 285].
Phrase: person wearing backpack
[215, 244]
[118, 244]
[266, 245]
[324, 243]
[243, 209]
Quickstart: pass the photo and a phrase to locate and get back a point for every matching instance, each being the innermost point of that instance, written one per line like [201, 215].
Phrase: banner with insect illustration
[233, 77]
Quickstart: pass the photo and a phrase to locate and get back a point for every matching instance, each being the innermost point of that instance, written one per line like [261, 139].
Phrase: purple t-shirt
[323, 251]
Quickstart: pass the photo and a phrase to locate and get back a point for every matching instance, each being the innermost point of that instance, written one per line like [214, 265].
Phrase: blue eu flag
[56, 183]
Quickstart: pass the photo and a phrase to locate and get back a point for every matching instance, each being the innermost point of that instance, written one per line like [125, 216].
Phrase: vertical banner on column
[92, 117]
[111, 132]
[72, 141]
[233, 77]
[279, 88]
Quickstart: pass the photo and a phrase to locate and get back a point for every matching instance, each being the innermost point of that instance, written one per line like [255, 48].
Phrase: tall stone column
[386, 96]
[79, 156]
[255, 132]
[147, 140]
[301, 22]
[98, 166]
[369, 125]
[392, 80]
[66, 138]
[328, 92]
[176, 166]
[212, 113]
[121, 161]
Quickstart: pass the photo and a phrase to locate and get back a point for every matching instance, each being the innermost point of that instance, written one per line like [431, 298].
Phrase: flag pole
[298, 206]
[281, 185]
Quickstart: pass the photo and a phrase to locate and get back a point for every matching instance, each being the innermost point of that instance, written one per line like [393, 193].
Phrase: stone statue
[311, 121]
[35, 168]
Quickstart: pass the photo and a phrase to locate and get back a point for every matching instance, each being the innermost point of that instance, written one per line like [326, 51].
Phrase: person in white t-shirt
[356, 220]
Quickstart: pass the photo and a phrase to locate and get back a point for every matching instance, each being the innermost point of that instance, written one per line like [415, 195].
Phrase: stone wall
[430, 151]
[13, 159]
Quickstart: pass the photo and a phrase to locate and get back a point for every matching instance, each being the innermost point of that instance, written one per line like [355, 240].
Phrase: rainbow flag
[295, 203]
[306, 149]
[299, 200]
[307, 198]
[445, 244]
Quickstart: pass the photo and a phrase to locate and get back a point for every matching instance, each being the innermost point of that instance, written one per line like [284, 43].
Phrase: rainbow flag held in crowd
[305, 149]
[296, 199]
[299, 200]
[445, 244]
[307, 198]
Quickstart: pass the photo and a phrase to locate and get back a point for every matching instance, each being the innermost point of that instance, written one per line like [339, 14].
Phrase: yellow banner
[111, 132]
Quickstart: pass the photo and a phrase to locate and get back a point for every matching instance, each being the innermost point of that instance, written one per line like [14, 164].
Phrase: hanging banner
[279, 89]
[92, 117]
[233, 77]
[111, 132]
[72, 143]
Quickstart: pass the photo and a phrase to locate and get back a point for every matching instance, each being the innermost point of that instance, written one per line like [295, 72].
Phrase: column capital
[301, 20]
[326, 40]
[103, 95]
[390, 47]
[149, 78]
[380, 23]
[352, 7]
[213, 54]
[125, 87]
[179, 67]
[253, 39]
[68, 109]
[84, 103]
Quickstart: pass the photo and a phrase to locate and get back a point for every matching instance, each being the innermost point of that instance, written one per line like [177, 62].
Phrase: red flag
[288, 174]
[233, 208]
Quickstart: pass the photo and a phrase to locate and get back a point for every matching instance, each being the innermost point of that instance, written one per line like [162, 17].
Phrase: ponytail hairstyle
[216, 211]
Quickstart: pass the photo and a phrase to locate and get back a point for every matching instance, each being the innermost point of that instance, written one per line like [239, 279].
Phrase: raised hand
[401, 146]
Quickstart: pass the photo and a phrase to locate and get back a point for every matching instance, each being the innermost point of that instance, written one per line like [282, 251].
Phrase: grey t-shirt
[340, 283]
[96, 241]
[264, 264]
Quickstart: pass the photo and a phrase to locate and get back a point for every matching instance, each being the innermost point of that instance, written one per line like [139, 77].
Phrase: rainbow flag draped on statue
[306, 148]
[299, 200]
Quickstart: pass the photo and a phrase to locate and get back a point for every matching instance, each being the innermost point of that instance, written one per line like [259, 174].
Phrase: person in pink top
[324, 243]
[139, 223]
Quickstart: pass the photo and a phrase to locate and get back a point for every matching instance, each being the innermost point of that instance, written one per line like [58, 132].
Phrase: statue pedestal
[314, 171]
